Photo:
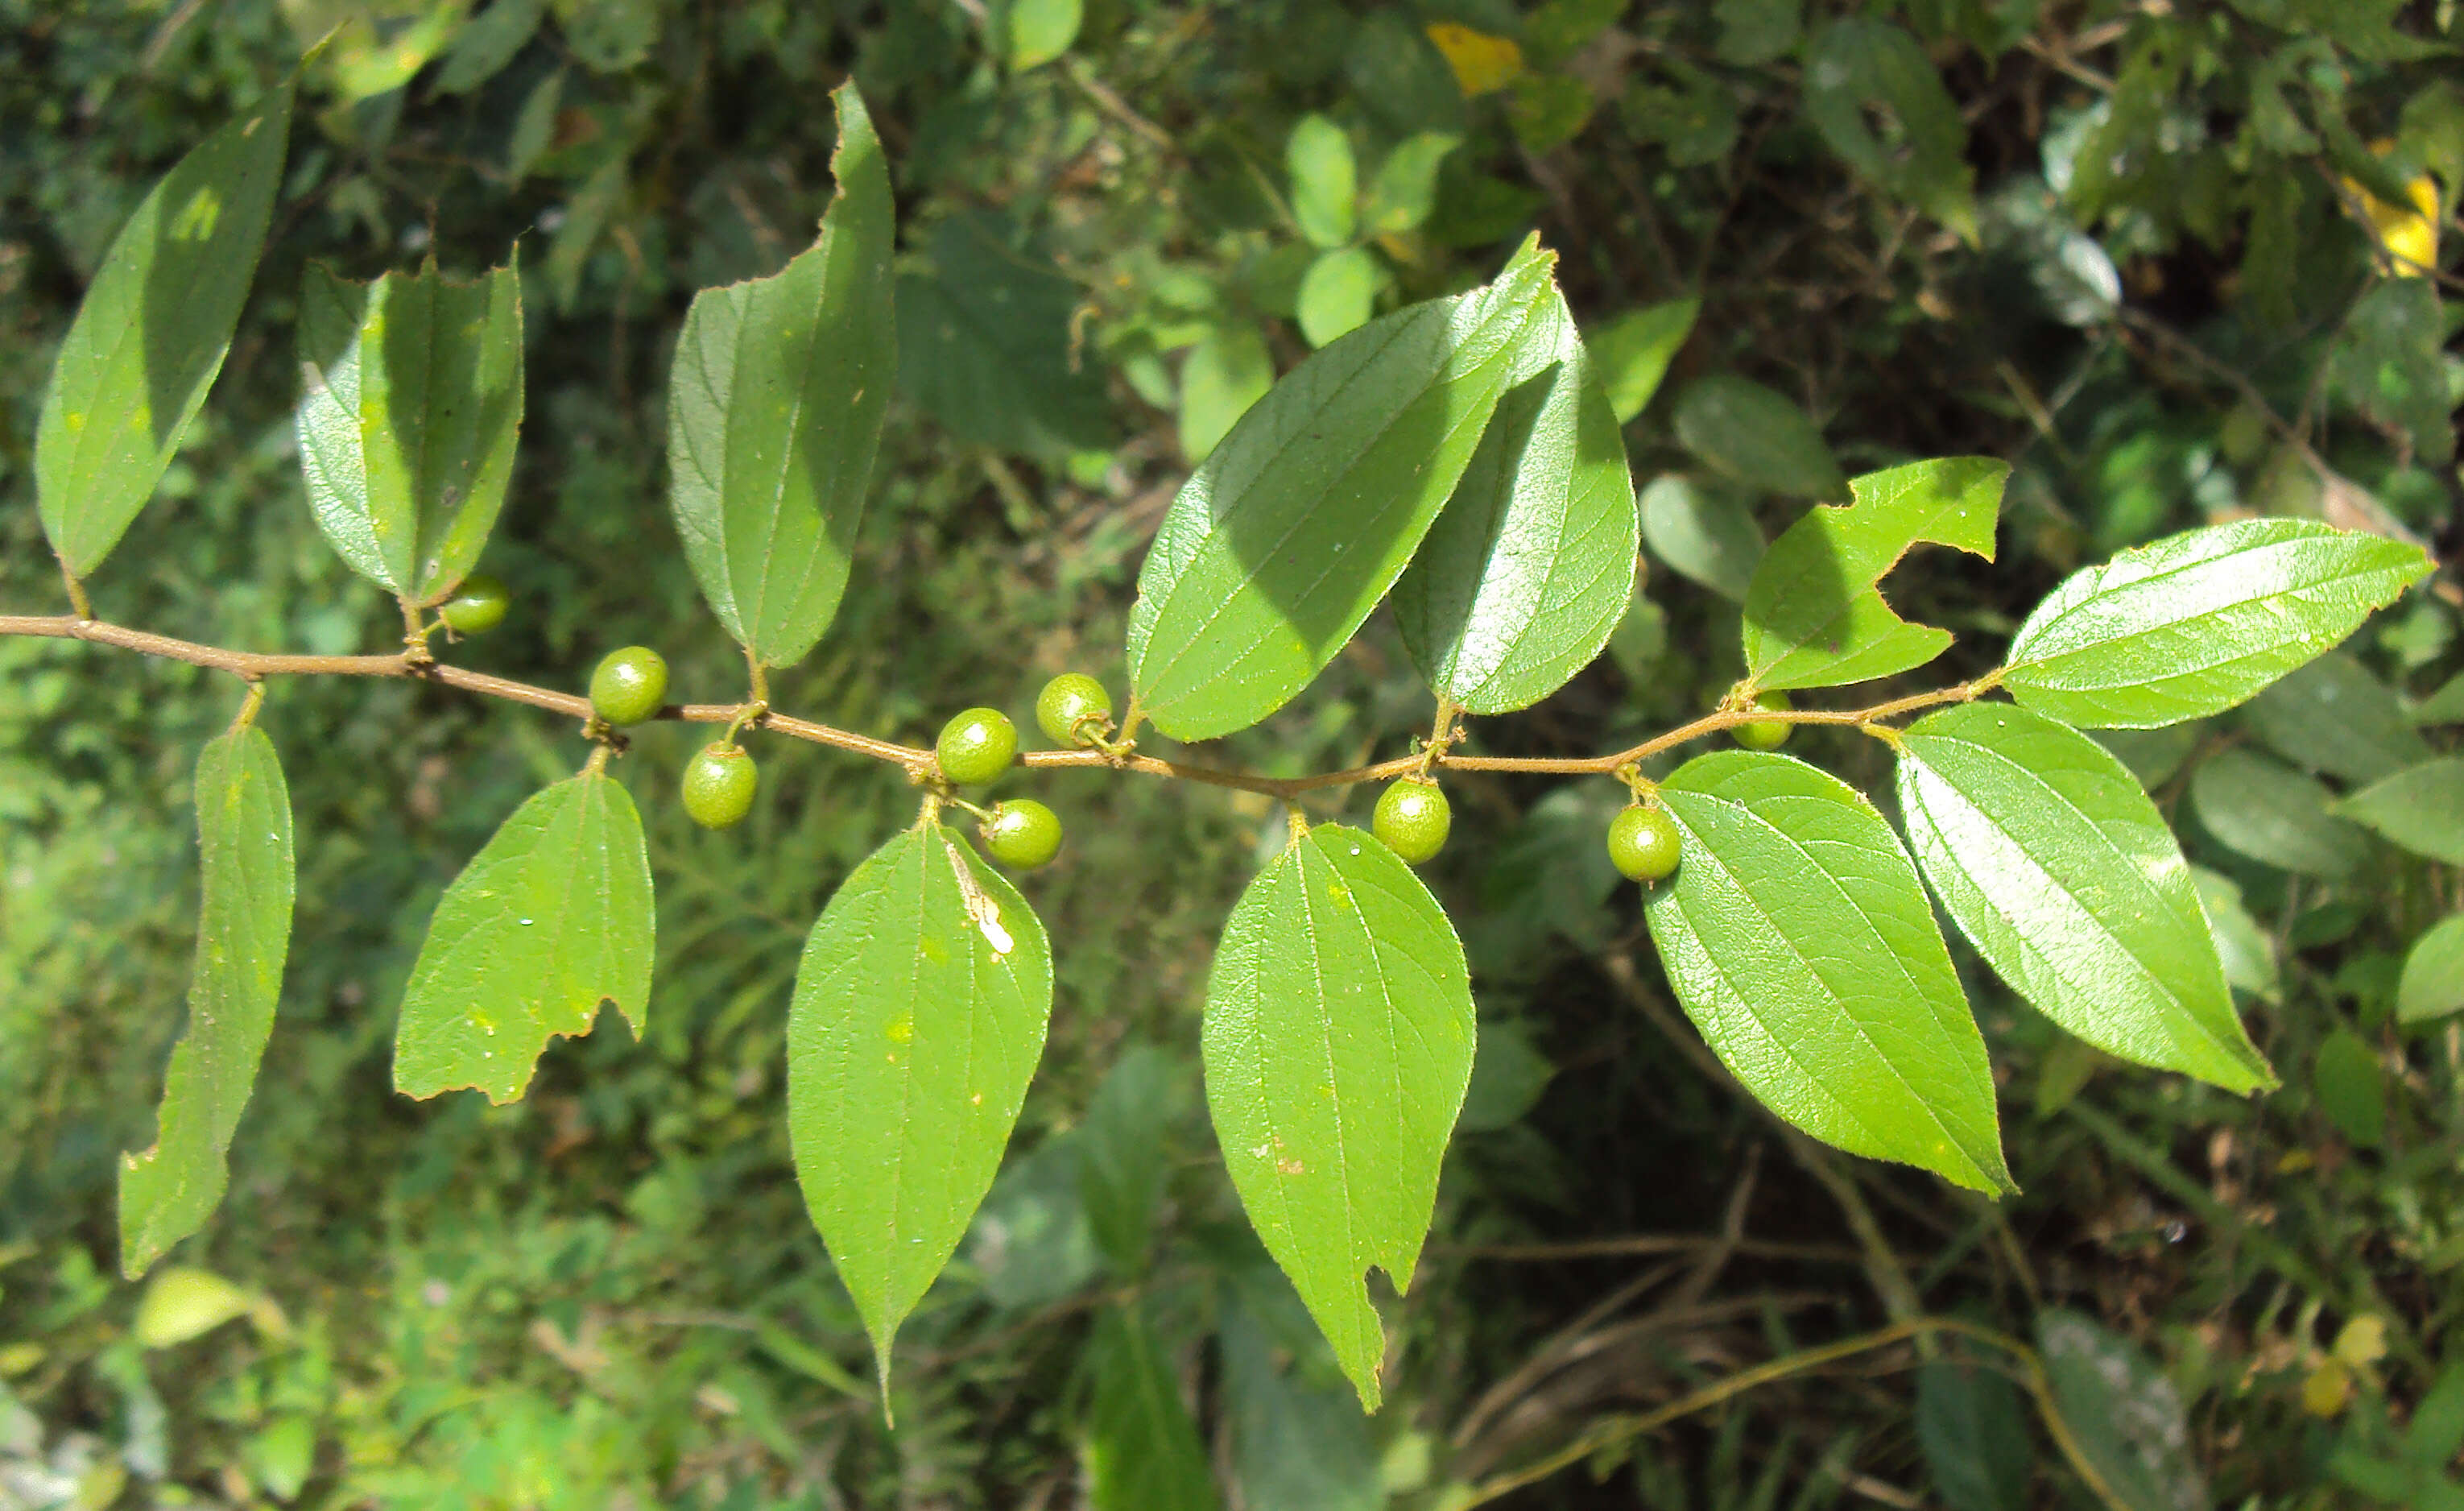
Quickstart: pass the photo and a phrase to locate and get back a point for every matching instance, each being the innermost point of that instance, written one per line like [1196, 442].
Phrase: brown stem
[254, 664]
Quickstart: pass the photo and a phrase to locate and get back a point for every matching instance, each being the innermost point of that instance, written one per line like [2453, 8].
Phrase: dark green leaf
[1298, 1443]
[2192, 624]
[1338, 1042]
[1703, 531]
[1298, 522]
[407, 431]
[774, 411]
[1814, 615]
[1325, 182]
[2387, 364]
[1753, 32]
[1530, 566]
[1800, 942]
[1030, 1242]
[1336, 294]
[919, 1016]
[1972, 1426]
[1404, 191]
[1228, 370]
[2421, 809]
[2436, 1431]
[2332, 715]
[2275, 815]
[551, 918]
[1875, 99]
[483, 47]
[2351, 1087]
[1631, 352]
[1122, 1149]
[2432, 985]
[150, 334]
[2123, 1412]
[1755, 436]
[985, 344]
[1508, 1076]
[1142, 1448]
[2052, 860]
[2153, 755]
[243, 935]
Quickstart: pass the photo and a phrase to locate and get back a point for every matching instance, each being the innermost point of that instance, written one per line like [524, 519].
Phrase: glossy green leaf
[2433, 983]
[1703, 531]
[1972, 1426]
[1225, 372]
[1530, 566]
[1041, 30]
[1877, 101]
[1296, 525]
[919, 1016]
[1336, 294]
[1326, 181]
[2248, 953]
[1756, 438]
[1799, 940]
[407, 429]
[2192, 624]
[2124, 1414]
[1814, 615]
[2258, 807]
[1631, 352]
[1338, 1042]
[1142, 1450]
[2332, 715]
[150, 334]
[2350, 1084]
[2421, 809]
[243, 936]
[774, 411]
[1404, 189]
[2049, 857]
[551, 918]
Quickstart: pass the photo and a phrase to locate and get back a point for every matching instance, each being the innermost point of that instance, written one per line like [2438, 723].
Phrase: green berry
[718, 785]
[1413, 819]
[1022, 834]
[1067, 701]
[630, 686]
[477, 607]
[1645, 844]
[977, 747]
[1764, 734]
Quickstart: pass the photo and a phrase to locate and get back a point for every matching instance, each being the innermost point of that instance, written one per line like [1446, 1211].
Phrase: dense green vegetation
[2177, 265]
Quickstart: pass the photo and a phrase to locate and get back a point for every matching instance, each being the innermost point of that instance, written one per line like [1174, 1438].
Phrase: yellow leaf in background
[2361, 1342]
[2326, 1389]
[2410, 232]
[1483, 64]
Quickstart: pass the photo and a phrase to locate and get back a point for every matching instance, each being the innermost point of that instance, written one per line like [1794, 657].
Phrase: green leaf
[1336, 294]
[2047, 854]
[551, 918]
[774, 411]
[2259, 809]
[2432, 983]
[1404, 189]
[1530, 566]
[1815, 617]
[1142, 1450]
[1972, 1427]
[1877, 102]
[1754, 435]
[2332, 715]
[1030, 1243]
[2194, 623]
[1325, 182]
[919, 1016]
[1296, 525]
[1799, 940]
[1225, 372]
[150, 334]
[2248, 954]
[1297, 1443]
[1753, 32]
[407, 431]
[1122, 1147]
[1702, 531]
[2350, 1084]
[1631, 352]
[2124, 1412]
[985, 347]
[1338, 1042]
[243, 936]
[2444, 706]
[483, 47]
[1041, 30]
[181, 1304]
[2421, 809]
[2387, 364]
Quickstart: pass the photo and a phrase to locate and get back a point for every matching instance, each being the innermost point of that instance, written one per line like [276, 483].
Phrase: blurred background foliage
[2177, 260]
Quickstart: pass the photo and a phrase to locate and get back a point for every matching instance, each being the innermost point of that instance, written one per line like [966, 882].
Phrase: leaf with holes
[1338, 1043]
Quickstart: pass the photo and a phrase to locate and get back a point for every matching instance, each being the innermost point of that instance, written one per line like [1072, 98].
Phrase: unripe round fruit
[1413, 819]
[477, 606]
[1066, 701]
[719, 785]
[1022, 834]
[630, 686]
[1645, 844]
[1764, 734]
[977, 747]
